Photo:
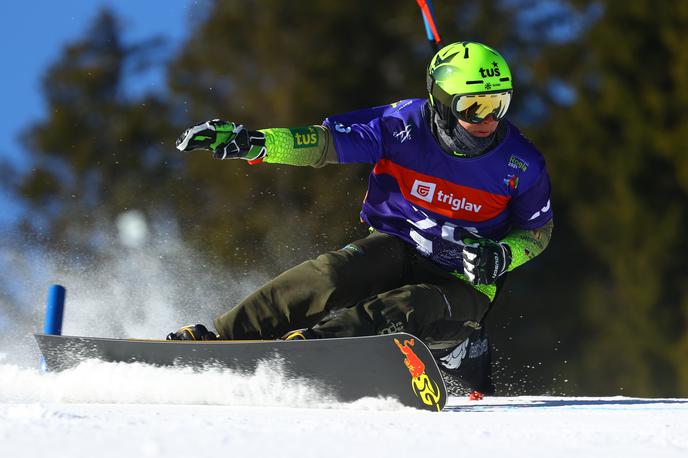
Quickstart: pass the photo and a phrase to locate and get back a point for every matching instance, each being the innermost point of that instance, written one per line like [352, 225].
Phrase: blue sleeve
[357, 136]
[532, 208]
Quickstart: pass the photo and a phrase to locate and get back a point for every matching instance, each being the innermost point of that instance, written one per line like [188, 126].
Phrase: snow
[114, 410]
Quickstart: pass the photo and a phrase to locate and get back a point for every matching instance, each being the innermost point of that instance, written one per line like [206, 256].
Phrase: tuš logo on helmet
[490, 72]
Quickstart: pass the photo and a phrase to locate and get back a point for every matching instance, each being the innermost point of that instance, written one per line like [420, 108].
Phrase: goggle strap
[439, 94]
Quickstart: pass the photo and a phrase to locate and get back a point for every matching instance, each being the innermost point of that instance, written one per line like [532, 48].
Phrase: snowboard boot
[195, 332]
[300, 334]
[468, 365]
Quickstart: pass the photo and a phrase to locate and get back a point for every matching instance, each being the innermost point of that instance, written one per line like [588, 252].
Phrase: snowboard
[349, 368]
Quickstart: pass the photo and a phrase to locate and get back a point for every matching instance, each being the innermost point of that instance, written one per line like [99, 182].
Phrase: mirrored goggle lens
[475, 108]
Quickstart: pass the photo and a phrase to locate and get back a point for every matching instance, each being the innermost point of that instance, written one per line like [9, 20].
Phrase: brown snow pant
[376, 285]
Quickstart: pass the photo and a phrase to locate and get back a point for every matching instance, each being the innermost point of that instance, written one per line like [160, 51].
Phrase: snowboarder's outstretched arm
[309, 145]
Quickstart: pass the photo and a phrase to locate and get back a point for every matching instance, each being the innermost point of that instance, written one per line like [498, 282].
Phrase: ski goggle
[475, 108]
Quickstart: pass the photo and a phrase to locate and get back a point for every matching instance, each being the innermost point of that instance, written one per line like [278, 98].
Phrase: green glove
[225, 139]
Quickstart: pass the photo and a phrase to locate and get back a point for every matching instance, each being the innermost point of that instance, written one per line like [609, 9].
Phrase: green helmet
[468, 69]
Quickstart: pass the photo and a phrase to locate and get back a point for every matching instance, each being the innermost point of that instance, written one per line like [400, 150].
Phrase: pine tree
[98, 152]
[620, 170]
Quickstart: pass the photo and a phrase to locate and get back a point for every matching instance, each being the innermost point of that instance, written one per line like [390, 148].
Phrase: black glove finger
[470, 269]
[199, 136]
[242, 141]
[235, 148]
[472, 254]
[471, 274]
[217, 122]
[229, 151]
[182, 142]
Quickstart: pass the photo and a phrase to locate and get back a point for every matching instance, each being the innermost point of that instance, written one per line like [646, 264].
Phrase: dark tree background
[601, 88]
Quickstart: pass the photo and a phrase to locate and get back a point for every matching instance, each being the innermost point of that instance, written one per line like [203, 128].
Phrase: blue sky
[32, 36]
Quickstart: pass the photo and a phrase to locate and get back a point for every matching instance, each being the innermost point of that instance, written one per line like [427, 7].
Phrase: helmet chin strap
[456, 140]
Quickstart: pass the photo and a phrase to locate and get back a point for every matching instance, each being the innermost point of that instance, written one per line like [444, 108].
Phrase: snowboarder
[456, 199]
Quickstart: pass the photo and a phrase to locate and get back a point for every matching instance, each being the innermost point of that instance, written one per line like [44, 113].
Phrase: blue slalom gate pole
[54, 313]
[54, 310]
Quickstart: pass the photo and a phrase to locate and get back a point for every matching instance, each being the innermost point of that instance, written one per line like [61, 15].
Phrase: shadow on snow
[601, 404]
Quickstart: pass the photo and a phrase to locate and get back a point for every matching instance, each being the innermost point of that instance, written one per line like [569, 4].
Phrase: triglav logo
[426, 191]
[423, 190]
